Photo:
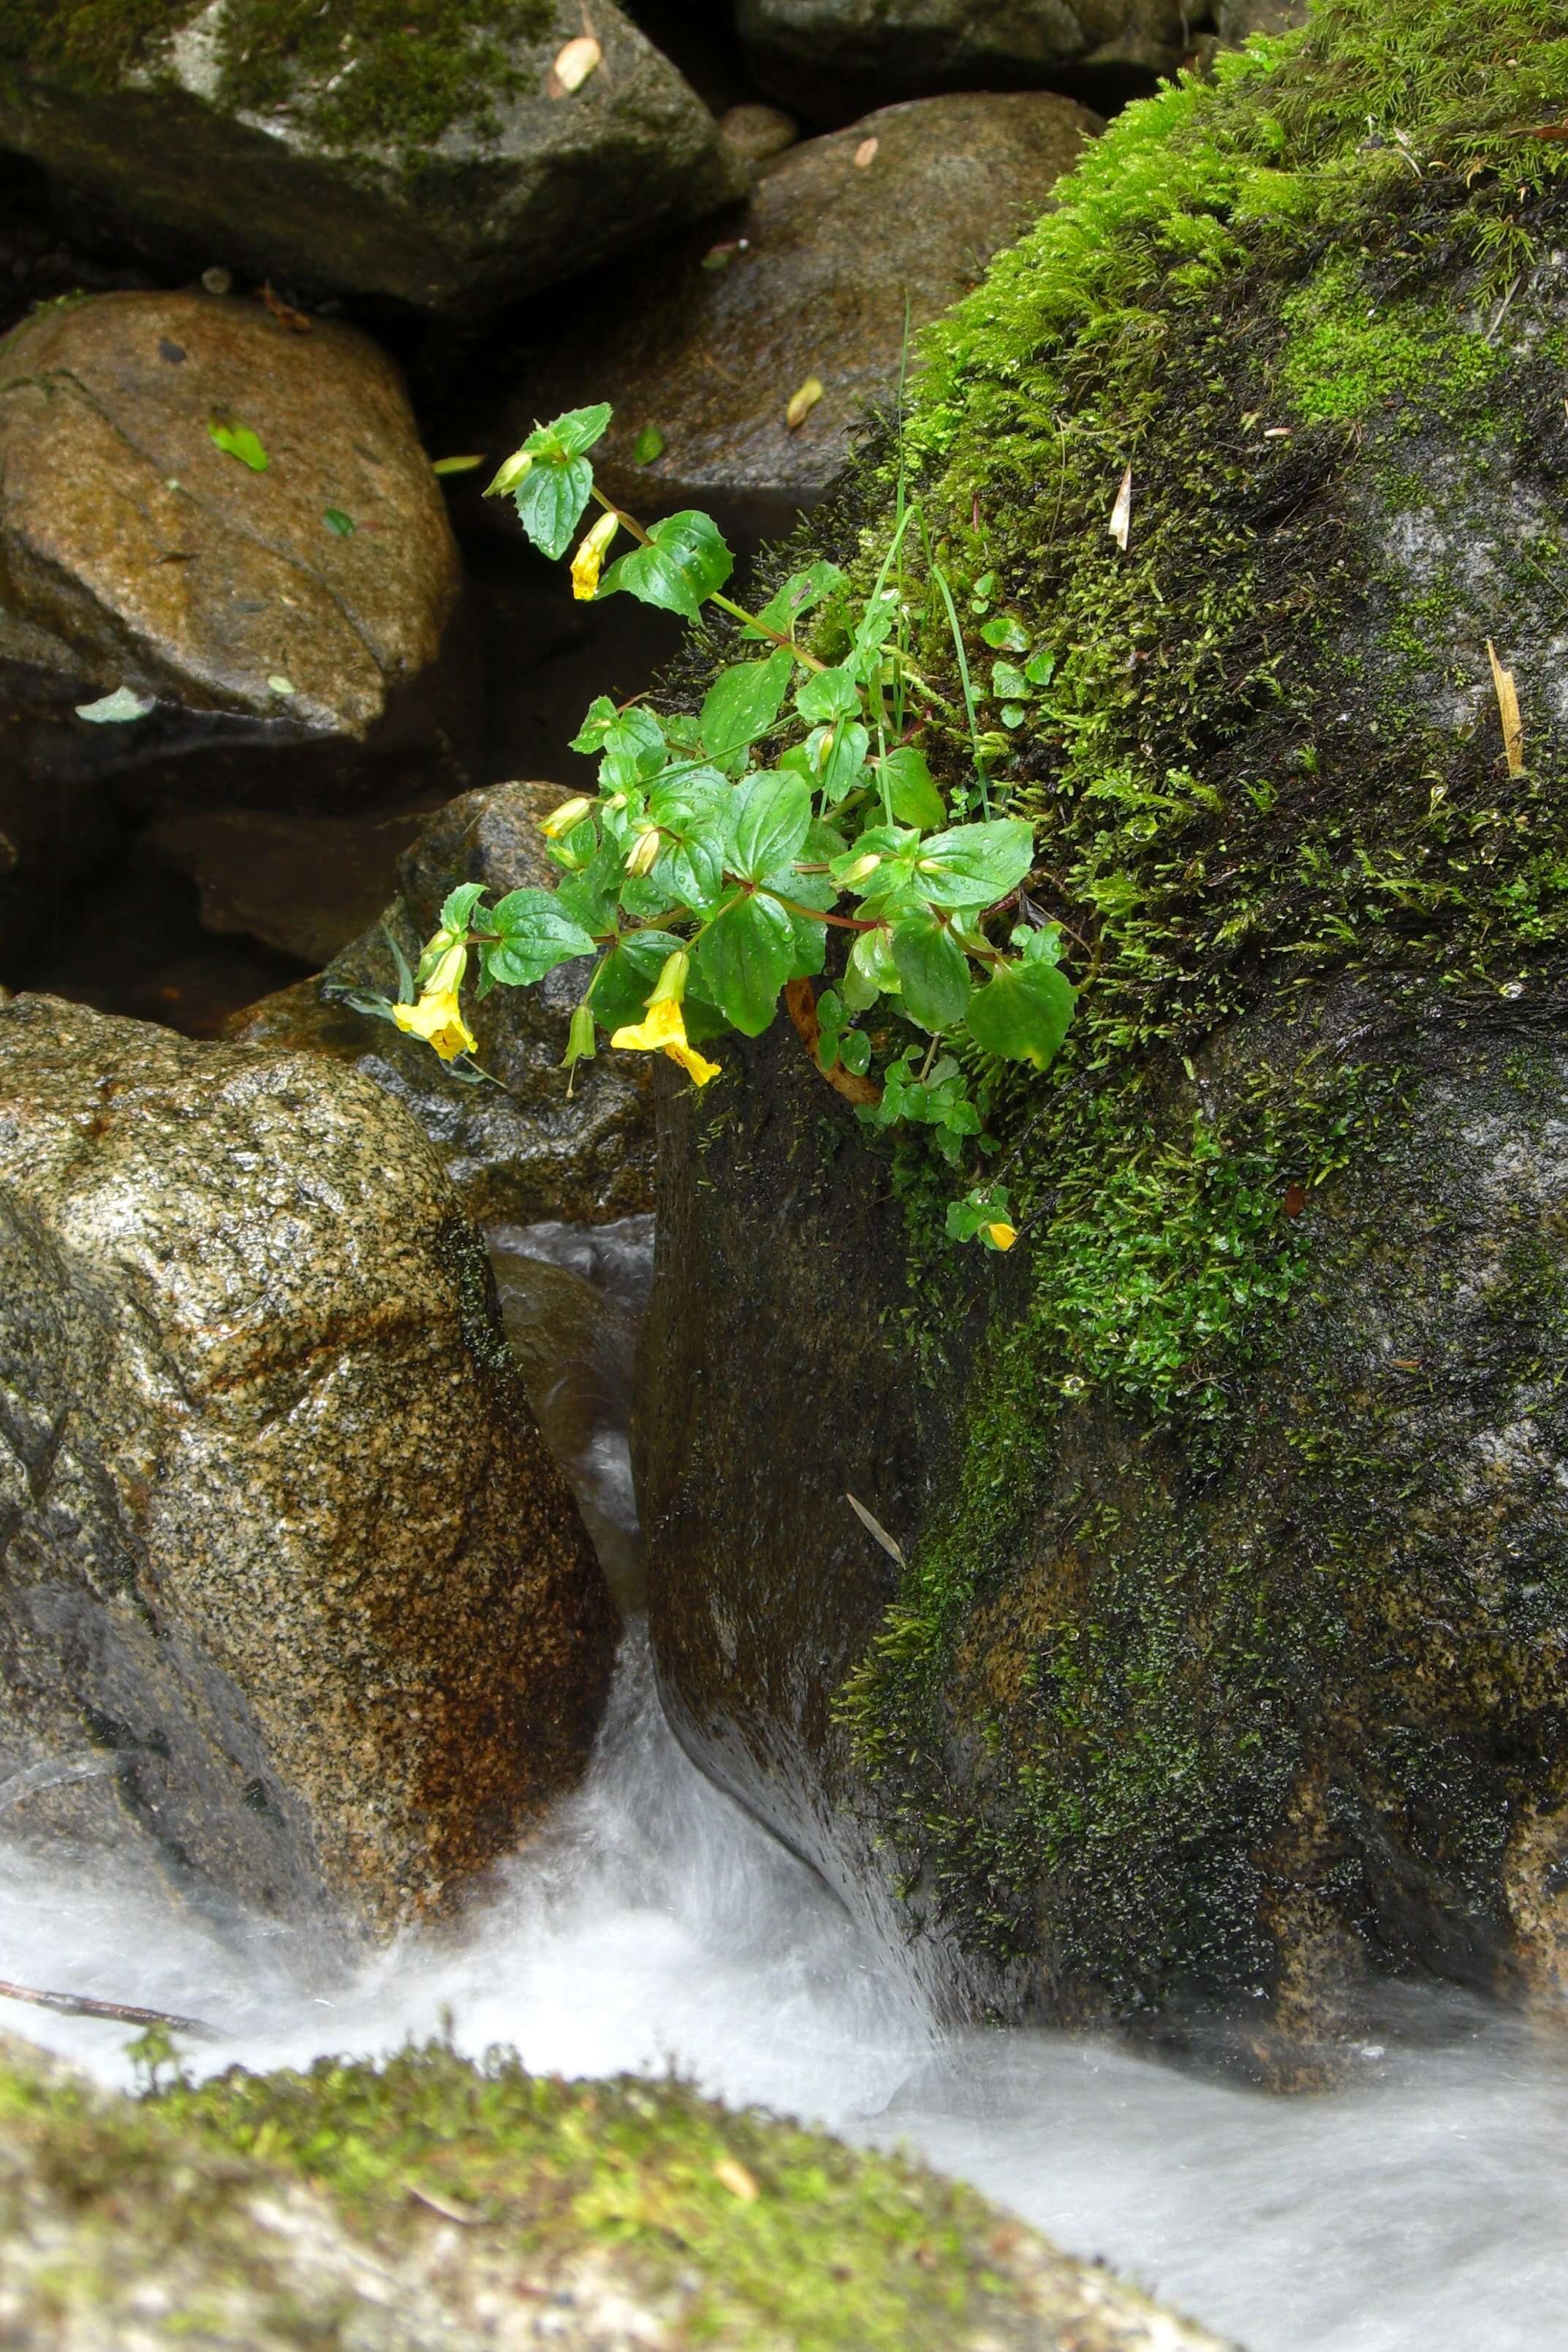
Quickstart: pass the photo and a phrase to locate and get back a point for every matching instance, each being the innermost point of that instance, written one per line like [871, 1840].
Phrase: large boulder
[452, 163]
[433, 2206]
[525, 1147]
[833, 57]
[811, 281]
[281, 1550]
[1227, 1663]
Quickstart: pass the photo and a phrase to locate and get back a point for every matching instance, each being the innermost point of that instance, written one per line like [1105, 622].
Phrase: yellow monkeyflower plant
[826, 794]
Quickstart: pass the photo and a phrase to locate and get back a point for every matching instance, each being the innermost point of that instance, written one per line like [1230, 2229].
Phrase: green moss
[1287, 326]
[358, 72]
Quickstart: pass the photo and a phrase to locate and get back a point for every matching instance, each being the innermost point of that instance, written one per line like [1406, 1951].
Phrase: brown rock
[278, 1537]
[760, 132]
[281, 611]
[811, 280]
[523, 1149]
[305, 884]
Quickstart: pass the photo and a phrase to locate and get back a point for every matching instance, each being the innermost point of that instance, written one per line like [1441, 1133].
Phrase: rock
[758, 132]
[1227, 1668]
[120, 2218]
[832, 59]
[307, 885]
[520, 1149]
[444, 166]
[811, 280]
[280, 623]
[279, 1542]
[1237, 20]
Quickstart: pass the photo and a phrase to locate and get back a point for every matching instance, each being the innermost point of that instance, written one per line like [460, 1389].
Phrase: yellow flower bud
[580, 1045]
[645, 852]
[1001, 1236]
[587, 563]
[862, 869]
[560, 821]
[512, 475]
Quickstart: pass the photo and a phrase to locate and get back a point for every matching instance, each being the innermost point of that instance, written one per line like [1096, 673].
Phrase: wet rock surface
[304, 884]
[833, 57]
[809, 281]
[272, 609]
[524, 1148]
[281, 1542]
[451, 174]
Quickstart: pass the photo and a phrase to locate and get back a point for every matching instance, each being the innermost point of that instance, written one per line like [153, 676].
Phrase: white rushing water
[656, 1924]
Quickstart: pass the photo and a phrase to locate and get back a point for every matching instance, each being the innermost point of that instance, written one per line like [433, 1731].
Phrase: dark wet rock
[453, 172]
[1227, 1664]
[305, 884]
[282, 623]
[711, 342]
[515, 1151]
[266, 2204]
[1237, 20]
[278, 1537]
[832, 59]
[758, 132]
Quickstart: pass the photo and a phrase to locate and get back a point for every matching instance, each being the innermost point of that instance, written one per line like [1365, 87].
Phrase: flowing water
[656, 1924]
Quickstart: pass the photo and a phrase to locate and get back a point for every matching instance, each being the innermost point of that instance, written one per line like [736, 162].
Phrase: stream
[655, 1924]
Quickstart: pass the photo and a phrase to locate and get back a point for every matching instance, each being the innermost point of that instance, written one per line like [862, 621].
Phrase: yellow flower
[1001, 1235]
[562, 820]
[664, 1030]
[590, 557]
[438, 1016]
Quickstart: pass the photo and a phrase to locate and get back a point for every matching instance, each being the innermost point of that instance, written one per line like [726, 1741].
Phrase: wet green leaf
[1023, 1012]
[686, 561]
[744, 957]
[934, 970]
[238, 441]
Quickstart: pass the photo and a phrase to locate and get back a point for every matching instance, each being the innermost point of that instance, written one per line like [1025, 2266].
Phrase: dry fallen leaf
[573, 66]
[864, 153]
[1507, 711]
[737, 2179]
[1122, 512]
[869, 1520]
[803, 402]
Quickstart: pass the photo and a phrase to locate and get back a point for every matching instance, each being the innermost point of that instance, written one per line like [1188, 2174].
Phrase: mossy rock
[419, 150]
[430, 2206]
[1226, 1667]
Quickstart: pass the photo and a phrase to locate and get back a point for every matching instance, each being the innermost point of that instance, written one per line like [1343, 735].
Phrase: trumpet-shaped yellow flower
[588, 563]
[438, 1016]
[561, 821]
[1001, 1235]
[664, 1030]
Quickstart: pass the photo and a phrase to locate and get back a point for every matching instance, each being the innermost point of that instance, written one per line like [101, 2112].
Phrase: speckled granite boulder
[907, 206]
[524, 1149]
[445, 164]
[833, 57]
[278, 1538]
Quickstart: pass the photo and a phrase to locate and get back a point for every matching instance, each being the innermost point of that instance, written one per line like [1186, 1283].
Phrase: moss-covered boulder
[433, 2207]
[429, 152]
[1228, 1658]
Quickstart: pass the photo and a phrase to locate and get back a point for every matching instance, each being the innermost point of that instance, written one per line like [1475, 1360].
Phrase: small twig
[81, 2004]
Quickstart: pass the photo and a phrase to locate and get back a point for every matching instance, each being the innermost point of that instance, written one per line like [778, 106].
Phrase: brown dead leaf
[1507, 711]
[734, 2177]
[866, 154]
[573, 65]
[1547, 131]
[284, 312]
[1121, 523]
[873, 1527]
[803, 403]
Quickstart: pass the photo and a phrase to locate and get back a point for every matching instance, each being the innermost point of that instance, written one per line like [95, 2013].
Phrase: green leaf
[854, 1051]
[933, 970]
[550, 501]
[796, 597]
[648, 446]
[571, 435]
[1041, 668]
[1013, 714]
[634, 748]
[341, 525]
[598, 719]
[768, 820]
[743, 703]
[455, 465]
[1006, 636]
[686, 561]
[115, 710]
[1023, 1012]
[626, 978]
[745, 956]
[537, 933]
[1008, 681]
[915, 799]
[459, 907]
[239, 441]
[973, 865]
[829, 694]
